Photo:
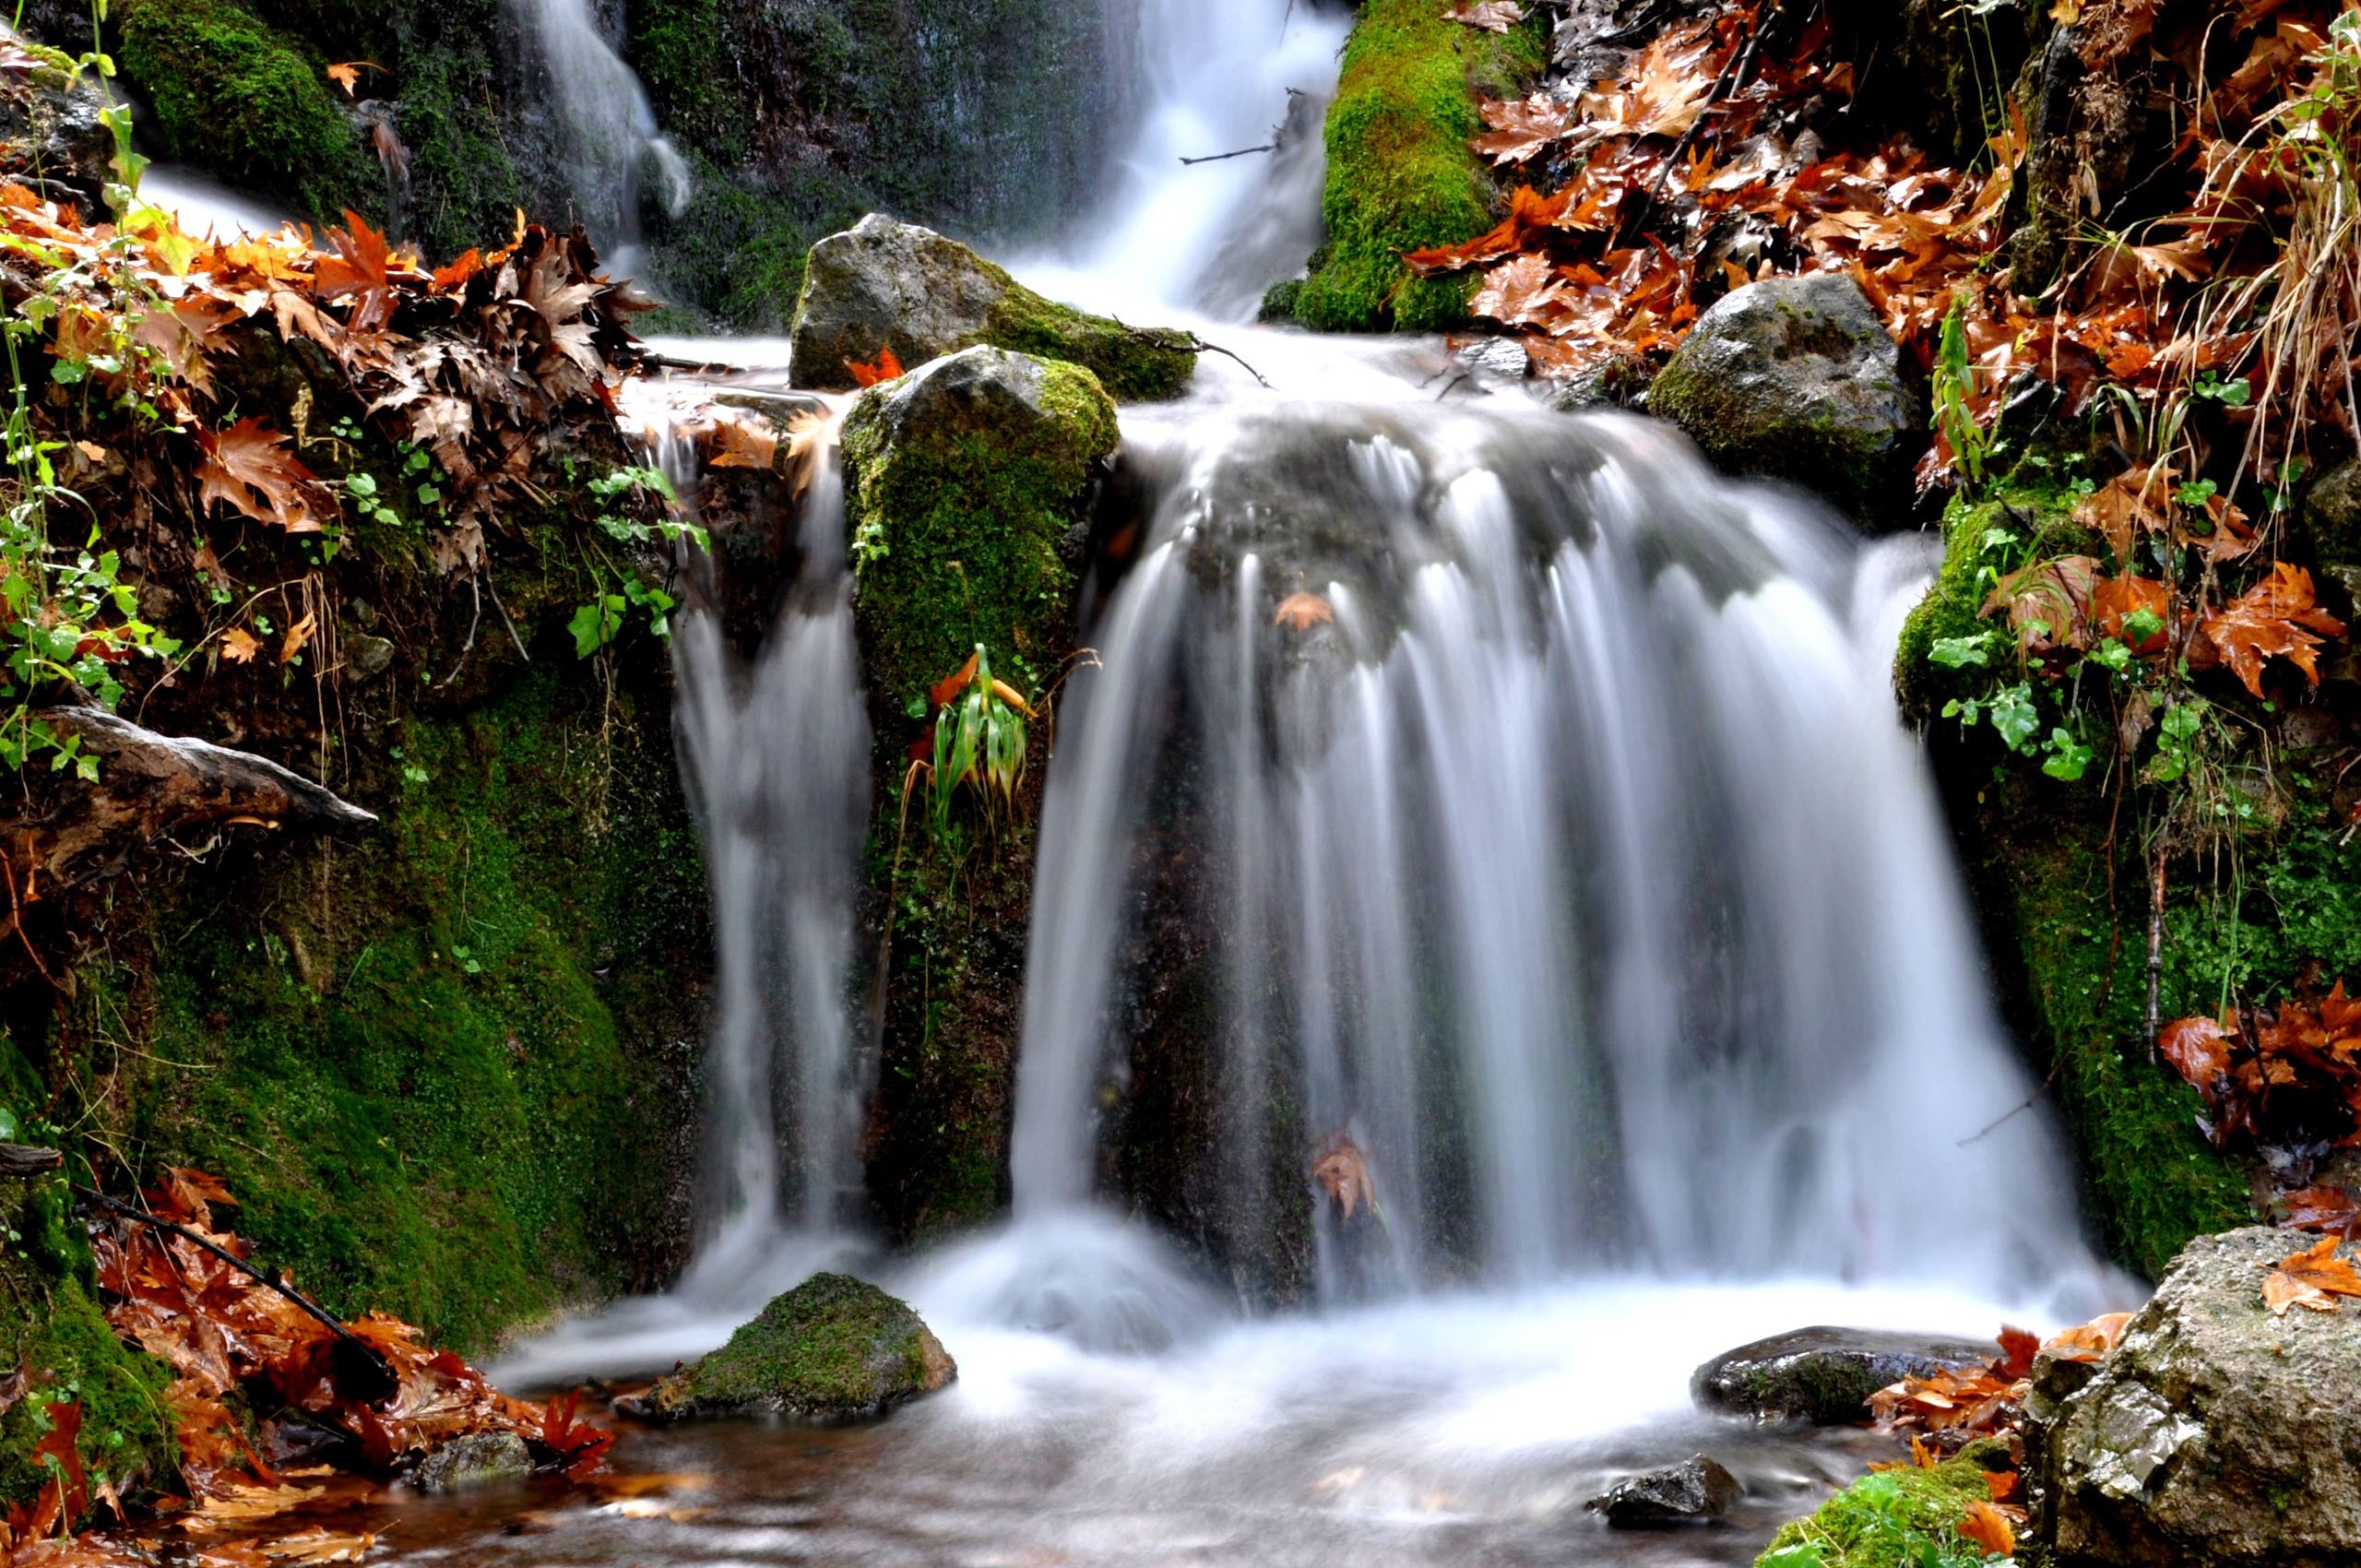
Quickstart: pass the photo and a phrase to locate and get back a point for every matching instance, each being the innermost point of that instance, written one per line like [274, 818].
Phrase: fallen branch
[1188, 342]
[1224, 156]
[22, 1162]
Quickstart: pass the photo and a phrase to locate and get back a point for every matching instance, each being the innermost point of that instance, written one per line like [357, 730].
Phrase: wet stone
[480, 1458]
[1823, 1375]
[1695, 1492]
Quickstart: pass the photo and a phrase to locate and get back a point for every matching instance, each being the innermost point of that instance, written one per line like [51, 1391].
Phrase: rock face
[51, 136]
[963, 480]
[1795, 379]
[2333, 515]
[2216, 1436]
[1698, 1490]
[1823, 1375]
[835, 1348]
[477, 1459]
[883, 284]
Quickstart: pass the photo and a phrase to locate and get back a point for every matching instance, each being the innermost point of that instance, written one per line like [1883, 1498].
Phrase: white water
[1581, 871]
[609, 142]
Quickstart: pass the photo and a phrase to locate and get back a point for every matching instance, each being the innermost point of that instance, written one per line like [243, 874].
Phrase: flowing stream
[1532, 807]
[608, 146]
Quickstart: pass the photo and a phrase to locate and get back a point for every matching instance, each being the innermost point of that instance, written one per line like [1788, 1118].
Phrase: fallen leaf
[2092, 1341]
[240, 646]
[1491, 15]
[1343, 1173]
[2277, 618]
[297, 636]
[886, 368]
[1986, 1526]
[2311, 1278]
[250, 469]
[1301, 611]
[2198, 1049]
[346, 75]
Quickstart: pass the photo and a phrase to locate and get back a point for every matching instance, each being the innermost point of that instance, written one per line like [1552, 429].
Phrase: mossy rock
[1796, 379]
[1823, 1375]
[964, 480]
[234, 95]
[1896, 1518]
[887, 285]
[2332, 516]
[835, 1348]
[1401, 176]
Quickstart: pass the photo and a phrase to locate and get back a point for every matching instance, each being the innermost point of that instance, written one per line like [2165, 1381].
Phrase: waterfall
[1541, 798]
[607, 136]
[775, 756]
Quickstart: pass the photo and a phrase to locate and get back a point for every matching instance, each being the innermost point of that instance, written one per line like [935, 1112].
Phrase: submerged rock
[2216, 1436]
[477, 1459]
[1796, 379]
[883, 284]
[1699, 1490]
[835, 1348]
[964, 480]
[1823, 1375]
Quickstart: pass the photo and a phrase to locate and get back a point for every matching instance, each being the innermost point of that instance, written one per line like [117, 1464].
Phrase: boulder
[2332, 516]
[477, 1459]
[1796, 379]
[2216, 1436]
[835, 1348]
[1691, 1492]
[1823, 1375]
[52, 138]
[887, 285]
[965, 481]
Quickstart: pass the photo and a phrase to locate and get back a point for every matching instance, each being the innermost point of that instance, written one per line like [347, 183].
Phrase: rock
[2216, 1436]
[477, 1459]
[1823, 1375]
[883, 284]
[52, 138]
[1700, 1489]
[1796, 379]
[835, 1348]
[2332, 516]
[963, 482]
[367, 657]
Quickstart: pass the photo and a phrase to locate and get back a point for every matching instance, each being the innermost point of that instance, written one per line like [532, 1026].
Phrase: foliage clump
[1903, 1517]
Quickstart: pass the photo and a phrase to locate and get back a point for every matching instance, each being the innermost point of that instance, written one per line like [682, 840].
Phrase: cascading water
[775, 756]
[608, 141]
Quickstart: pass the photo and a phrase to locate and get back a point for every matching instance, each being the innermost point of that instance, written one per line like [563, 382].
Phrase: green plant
[620, 590]
[979, 742]
[1972, 446]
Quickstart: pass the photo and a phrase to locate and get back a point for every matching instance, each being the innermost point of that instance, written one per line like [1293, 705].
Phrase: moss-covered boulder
[963, 480]
[1895, 1518]
[2332, 516]
[887, 285]
[1796, 379]
[835, 1348]
[52, 138]
[1401, 176]
[232, 94]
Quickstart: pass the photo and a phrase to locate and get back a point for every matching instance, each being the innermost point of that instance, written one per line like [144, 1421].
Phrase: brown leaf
[1522, 127]
[736, 443]
[1520, 292]
[1491, 15]
[2047, 602]
[2198, 1049]
[239, 645]
[1987, 1528]
[2310, 1278]
[363, 267]
[2320, 1209]
[297, 636]
[346, 75]
[2278, 617]
[2114, 599]
[2132, 503]
[1301, 611]
[249, 469]
[1343, 1173]
[2093, 1341]
[887, 368]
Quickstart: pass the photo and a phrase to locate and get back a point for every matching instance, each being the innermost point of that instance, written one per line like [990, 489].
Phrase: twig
[16, 918]
[2157, 938]
[1193, 344]
[2030, 1101]
[374, 1357]
[1223, 157]
[506, 622]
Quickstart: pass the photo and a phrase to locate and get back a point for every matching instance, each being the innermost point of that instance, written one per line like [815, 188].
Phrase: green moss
[50, 1328]
[2040, 516]
[464, 186]
[1901, 1518]
[442, 1067]
[736, 255]
[1135, 364]
[834, 1347]
[959, 529]
[236, 97]
[1401, 176]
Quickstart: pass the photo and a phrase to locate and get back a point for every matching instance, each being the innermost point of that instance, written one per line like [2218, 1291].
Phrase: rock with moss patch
[888, 285]
[1823, 1375]
[1796, 379]
[477, 1458]
[51, 135]
[2216, 1434]
[835, 1348]
[2332, 516]
[964, 480]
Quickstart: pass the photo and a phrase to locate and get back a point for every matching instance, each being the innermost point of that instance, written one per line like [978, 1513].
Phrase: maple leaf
[62, 1445]
[2198, 1049]
[1522, 127]
[239, 645]
[2278, 617]
[362, 266]
[734, 443]
[886, 368]
[2047, 602]
[1491, 15]
[2127, 505]
[2320, 1209]
[1301, 611]
[1986, 1526]
[2311, 1278]
[297, 636]
[2115, 599]
[1519, 292]
[249, 467]
[445, 279]
[2017, 1350]
[346, 75]
[2093, 1341]
[1343, 1173]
